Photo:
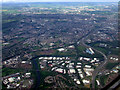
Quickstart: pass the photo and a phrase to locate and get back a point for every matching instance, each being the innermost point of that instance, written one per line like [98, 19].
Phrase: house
[98, 83]
[64, 71]
[115, 71]
[80, 58]
[54, 58]
[11, 79]
[77, 81]
[71, 47]
[27, 74]
[61, 49]
[40, 58]
[88, 73]
[71, 71]
[63, 64]
[78, 66]
[81, 75]
[53, 68]
[88, 69]
[87, 66]
[23, 61]
[60, 70]
[79, 70]
[5, 81]
[86, 81]
[79, 63]
[87, 59]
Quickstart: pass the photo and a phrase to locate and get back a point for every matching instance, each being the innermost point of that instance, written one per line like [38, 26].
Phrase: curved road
[100, 66]
[81, 40]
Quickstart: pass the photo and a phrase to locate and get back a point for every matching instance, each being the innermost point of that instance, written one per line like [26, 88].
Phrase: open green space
[103, 79]
[66, 53]
[8, 71]
[82, 52]
[110, 49]
[111, 65]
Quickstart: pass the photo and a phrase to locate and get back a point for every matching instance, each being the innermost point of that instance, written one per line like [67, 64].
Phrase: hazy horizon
[60, 1]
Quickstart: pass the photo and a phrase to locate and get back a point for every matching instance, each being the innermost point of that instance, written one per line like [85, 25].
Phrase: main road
[95, 73]
[81, 40]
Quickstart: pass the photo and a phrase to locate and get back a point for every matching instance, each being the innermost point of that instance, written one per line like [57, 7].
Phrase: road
[81, 40]
[100, 66]
[115, 84]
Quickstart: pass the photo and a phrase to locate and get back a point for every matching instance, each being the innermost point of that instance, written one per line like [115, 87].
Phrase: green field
[8, 71]
[111, 65]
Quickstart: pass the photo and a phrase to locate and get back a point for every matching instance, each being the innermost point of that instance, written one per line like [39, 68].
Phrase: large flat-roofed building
[90, 51]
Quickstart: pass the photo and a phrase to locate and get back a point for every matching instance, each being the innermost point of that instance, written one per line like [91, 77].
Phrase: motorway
[81, 40]
[115, 84]
[100, 66]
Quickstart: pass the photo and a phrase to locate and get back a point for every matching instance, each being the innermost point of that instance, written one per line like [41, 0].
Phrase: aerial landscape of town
[52, 45]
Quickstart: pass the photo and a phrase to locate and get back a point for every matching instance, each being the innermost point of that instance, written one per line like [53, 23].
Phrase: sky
[59, 0]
